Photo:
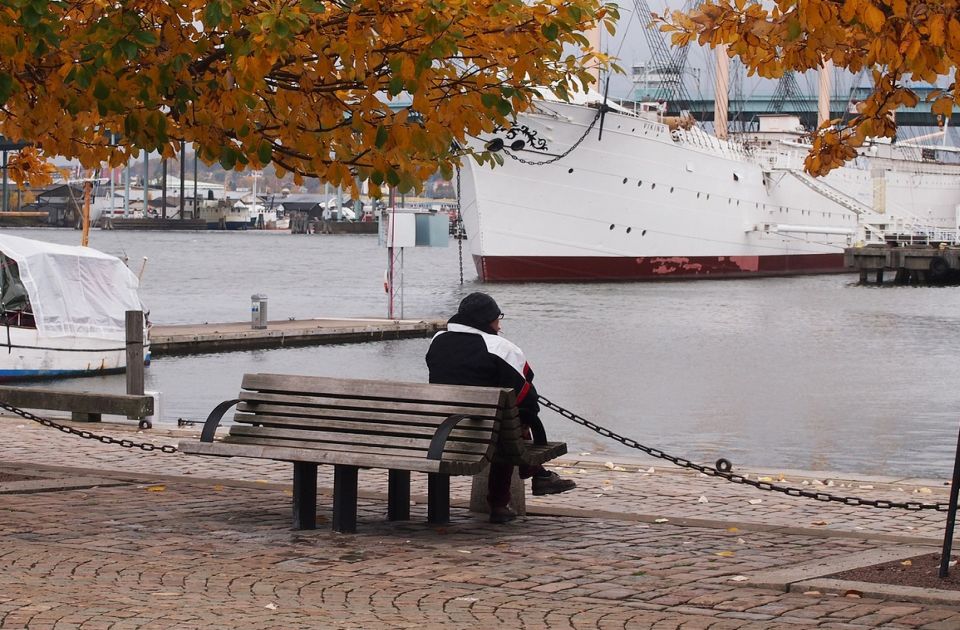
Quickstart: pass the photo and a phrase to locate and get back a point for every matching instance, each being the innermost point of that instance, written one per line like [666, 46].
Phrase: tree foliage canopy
[302, 84]
[897, 39]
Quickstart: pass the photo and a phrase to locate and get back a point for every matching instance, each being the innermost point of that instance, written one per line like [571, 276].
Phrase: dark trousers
[498, 487]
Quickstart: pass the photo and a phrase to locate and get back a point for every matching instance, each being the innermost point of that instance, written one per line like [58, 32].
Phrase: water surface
[810, 372]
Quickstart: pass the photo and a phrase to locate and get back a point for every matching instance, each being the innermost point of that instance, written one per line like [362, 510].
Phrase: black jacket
[470, 353]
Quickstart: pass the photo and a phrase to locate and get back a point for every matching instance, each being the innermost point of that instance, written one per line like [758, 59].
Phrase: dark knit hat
[479, 307]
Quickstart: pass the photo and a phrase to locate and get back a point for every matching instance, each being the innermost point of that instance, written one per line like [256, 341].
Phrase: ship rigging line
[723, 470]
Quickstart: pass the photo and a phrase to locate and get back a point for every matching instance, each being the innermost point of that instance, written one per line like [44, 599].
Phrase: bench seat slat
[369, 453]
[410, 445]
[338, 414]
[442, 409]
[464, 430]
[226, 449]
[360, 388]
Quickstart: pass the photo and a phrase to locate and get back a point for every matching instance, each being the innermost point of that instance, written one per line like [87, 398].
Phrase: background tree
[897, 39]
[301, 84]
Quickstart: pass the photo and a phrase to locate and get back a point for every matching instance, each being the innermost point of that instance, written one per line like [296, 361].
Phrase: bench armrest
[439, 439]
[213, 420]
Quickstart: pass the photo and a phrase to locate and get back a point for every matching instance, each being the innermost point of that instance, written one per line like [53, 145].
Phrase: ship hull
[620, 269]
[646, 203]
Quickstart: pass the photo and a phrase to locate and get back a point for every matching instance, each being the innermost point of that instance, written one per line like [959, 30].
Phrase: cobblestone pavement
[170, 541]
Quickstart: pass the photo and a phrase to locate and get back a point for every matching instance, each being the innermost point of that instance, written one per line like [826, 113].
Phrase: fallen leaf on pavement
[755, 501]
[703, 500]
[812, 593]
[661, 520]
[608, 465]
[853, 593]
[738, 578]
[651, 469]
[819, 523]
[866, 487]
[156, 488]
[907, 563]
[764, 478]
[741, 541]
[725, 554]
[733, 530]
[271, 606]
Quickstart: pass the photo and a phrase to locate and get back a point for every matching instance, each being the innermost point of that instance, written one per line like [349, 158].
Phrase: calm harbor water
[813, 372]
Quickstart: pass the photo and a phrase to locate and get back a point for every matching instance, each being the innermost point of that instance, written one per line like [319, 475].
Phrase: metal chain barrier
[722, 470]
[106, 439]
[565, 153]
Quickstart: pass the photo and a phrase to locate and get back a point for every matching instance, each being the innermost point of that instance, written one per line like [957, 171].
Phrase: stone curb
[913, 594]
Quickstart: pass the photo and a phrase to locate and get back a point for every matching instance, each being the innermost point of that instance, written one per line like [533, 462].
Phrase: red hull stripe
[567, 268]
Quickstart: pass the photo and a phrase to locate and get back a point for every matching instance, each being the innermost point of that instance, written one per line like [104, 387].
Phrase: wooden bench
[83, 406]
[440, 430]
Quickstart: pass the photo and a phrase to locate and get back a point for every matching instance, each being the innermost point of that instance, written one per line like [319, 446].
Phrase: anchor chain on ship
[723, 470]
[106, 439]
[570, 150]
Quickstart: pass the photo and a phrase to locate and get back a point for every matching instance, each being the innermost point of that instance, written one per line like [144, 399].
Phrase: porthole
[653, 185]
[628, 230]
[671, 189]
[624, 180]
[640, 182]
[643, 233]
[569, 170]
[612, 226]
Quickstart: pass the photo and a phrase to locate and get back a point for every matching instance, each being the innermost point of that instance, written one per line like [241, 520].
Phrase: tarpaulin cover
[73, 291]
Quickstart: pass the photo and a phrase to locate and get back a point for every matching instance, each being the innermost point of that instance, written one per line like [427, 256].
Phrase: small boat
[63, 310]
[224, 214]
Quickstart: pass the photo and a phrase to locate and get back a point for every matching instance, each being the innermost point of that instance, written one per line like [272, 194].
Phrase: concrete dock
[93, 536]
[910, 264]
[218, 337]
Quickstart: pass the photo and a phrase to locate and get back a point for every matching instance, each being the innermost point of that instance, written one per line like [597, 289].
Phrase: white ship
[651, 200]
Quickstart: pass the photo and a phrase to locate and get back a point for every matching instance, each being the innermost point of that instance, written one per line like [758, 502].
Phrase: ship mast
[823, 95]
[720, 99]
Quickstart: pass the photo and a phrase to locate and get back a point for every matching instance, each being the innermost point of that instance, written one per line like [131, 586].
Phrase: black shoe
[552, 483]
[501, 515]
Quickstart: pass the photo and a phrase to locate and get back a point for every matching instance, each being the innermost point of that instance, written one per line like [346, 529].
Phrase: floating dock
[197, 338]
[917, 265]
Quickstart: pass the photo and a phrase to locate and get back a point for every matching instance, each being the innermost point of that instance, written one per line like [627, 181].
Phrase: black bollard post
[951, 516]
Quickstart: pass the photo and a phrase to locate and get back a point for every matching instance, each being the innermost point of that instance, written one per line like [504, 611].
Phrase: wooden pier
[917, 265]
[196, 338]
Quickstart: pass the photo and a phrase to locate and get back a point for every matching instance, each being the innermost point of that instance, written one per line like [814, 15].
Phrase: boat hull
[613, 269]
[24, 355]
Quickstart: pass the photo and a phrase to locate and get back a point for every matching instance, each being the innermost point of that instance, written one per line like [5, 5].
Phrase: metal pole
[183, 146]
[951, 515]
[4, 181]
[163, 190]
[196, 200]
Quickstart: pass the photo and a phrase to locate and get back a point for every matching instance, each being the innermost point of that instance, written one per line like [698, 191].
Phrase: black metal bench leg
[398, 495]
[345, 499]
[438, 498]
[304, 495]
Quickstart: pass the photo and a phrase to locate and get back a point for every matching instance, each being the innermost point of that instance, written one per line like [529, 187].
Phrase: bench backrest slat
[360, 388]
[247, 411]
[368, 404]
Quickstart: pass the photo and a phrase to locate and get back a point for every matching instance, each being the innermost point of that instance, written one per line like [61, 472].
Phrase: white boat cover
[74, 291]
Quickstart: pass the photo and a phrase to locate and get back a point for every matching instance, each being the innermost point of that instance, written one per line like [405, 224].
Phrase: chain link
[736, 478]
[87, 435]
[565, 153]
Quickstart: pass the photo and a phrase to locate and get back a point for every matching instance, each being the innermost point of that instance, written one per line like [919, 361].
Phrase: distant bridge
[745, 111]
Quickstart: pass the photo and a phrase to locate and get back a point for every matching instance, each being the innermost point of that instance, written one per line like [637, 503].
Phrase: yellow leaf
[725, 554]
[157, 488]
[873, 17]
